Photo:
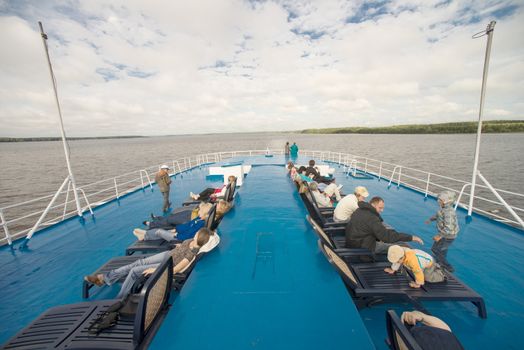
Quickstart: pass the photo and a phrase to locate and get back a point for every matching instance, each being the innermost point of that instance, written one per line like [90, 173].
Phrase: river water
[33, 169]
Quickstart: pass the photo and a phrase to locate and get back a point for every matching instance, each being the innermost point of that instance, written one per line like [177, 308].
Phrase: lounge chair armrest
[344, 252]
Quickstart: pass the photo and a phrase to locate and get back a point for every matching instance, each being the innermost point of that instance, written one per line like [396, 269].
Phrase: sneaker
[139, 233]
[340, 187]
[194, 196]
[97, 280]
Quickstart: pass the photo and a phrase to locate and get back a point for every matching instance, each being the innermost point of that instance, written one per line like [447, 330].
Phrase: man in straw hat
[347, 205]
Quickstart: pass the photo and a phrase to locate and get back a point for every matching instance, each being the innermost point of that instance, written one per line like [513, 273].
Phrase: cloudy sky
[202, 66]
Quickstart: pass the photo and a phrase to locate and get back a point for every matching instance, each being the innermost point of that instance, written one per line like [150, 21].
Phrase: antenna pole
[489, 32]
[64, 139]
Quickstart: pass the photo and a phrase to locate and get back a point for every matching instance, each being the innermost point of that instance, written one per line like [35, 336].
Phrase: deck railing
[18, 219]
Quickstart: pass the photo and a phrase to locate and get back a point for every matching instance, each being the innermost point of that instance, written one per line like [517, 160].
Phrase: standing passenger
[293, 150]
[447, 228]
[164, 181]
[286, 149]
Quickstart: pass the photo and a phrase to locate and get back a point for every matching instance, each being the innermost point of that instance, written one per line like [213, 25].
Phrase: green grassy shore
[491, 126]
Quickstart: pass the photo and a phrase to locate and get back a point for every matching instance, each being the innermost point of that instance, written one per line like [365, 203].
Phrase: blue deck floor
[241, 296]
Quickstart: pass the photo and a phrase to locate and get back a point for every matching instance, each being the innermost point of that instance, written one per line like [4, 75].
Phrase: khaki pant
[434, 274]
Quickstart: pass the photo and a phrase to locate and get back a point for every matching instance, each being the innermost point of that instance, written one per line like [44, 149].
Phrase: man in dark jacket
[312, 170]
[366, 230]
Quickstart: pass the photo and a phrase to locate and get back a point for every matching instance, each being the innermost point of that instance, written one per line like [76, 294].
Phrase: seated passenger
[322, 199]
[432, 334]
[349, 204]
[313, 172]
[416, 260]
[301, 175]
[332, 190]
[185, 230]
[292, 170]
[182, 255]
[365, 229]
[212, 193]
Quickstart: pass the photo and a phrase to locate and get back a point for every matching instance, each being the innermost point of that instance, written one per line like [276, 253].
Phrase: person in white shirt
[349, 204]
[322, 199]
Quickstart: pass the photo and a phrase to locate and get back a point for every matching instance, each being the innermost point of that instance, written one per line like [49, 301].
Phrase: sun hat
[164, 166]
[361, 191]
[395, 252]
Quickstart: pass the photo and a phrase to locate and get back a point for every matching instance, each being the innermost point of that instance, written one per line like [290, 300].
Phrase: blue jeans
[158, 233]
[133, 271]
[440, 249]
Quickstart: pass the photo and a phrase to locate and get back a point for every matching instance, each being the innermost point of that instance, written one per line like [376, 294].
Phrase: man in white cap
[164, 181]
[347, 205]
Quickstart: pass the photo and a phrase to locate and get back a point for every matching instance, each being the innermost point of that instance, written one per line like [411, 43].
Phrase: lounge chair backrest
[399, 336]
[320, 233]
[153, 299]
[229, 196]
[313, 205]
[342, 267]
[210, 221]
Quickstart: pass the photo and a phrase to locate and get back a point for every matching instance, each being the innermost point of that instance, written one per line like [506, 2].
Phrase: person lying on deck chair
[212, 193]
[185, 230]
[366, 229]
[432, 333]
[418, 261]
[181, 216]
[182, 255]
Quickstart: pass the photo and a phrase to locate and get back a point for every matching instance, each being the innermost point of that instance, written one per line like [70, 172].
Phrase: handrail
[422, 181]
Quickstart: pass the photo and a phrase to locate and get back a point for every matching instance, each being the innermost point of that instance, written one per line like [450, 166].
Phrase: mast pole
[489, 32]
[62, 131]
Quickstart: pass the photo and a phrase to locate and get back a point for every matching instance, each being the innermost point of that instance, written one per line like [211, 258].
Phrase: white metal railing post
[366, 167]
[35, 227]
[460, 194]
[380, 171]
[399, 173]
[6, 229]
[508, 207]
[141, 178]
[116, 188]
[87, 201]
[489, 32]
[392, 175]
[427, 186]
[66, 199]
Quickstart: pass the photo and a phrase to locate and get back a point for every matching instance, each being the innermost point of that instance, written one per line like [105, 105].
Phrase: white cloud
[156, 67]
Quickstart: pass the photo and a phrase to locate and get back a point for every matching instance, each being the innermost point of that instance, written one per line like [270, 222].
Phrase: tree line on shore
[491, 126]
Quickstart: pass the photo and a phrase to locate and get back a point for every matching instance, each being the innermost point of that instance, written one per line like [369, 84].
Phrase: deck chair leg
[481, 306]
[86, 286]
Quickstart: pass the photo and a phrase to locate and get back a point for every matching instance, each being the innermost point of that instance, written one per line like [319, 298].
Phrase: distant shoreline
[39, 139]
[491, 126]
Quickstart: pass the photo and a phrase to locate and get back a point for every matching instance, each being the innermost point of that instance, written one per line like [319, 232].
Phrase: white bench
[236, 170]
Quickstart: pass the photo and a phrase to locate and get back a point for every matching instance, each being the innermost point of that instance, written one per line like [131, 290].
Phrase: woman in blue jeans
[182, 255]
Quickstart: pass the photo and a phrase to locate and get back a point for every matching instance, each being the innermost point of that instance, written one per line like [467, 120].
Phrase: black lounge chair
[67, 327]
[337, 243]
[369, 284]
[324, 219]
[160, 245]
[399, 337]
